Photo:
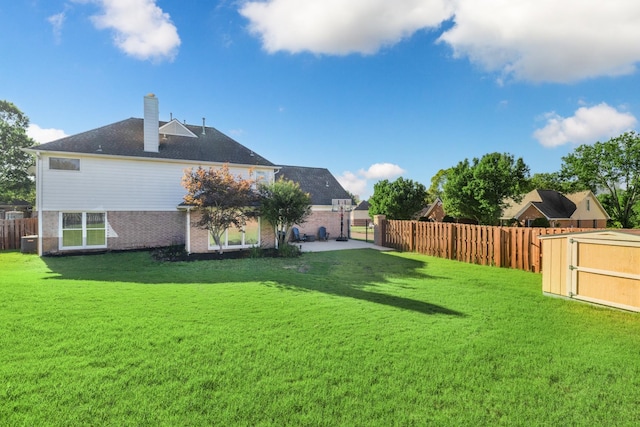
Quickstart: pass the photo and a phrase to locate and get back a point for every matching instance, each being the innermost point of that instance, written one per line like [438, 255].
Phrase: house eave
[146, 159]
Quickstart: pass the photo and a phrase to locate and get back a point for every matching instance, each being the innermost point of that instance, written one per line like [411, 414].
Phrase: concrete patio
[334, 245]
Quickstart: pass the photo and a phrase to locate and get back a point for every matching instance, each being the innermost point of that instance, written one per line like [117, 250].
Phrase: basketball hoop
[342, 206]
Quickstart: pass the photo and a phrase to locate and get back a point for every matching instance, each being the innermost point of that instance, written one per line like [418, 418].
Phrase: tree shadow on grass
[359, 274]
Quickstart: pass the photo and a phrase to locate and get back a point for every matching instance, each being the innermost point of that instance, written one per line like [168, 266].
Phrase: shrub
[289, 251]
[540, 222]
[175, 252]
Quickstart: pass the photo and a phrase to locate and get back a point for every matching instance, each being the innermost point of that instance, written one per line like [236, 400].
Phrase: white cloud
[41, 135]
[382, 171]
[141, 29]
[339, 27]
[548, 40]
[358, 184]
[533, 40]
[353, 183]
[587, 125]
[57, 22]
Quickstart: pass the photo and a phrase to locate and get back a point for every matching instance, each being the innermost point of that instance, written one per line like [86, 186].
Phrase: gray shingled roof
[318, 182]
[126, 138]
[550, 203]
[554, 204]
[362, 206]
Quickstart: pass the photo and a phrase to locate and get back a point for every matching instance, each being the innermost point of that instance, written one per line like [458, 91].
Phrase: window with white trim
[83, 230]
[235, 238]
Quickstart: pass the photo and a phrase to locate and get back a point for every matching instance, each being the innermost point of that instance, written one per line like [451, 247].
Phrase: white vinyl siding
[111, 184]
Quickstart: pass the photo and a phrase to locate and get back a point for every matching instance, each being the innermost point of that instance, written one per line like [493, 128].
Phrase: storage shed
[601, 267]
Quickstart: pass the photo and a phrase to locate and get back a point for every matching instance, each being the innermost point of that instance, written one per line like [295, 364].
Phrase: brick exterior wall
[50, 227]
[530, 214]
[328, 219]
[437, 214]
[135, 230]
[125, 230]
[139, 230]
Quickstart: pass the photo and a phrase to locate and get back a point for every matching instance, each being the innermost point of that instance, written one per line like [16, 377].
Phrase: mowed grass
[358, 232]
[358, 338]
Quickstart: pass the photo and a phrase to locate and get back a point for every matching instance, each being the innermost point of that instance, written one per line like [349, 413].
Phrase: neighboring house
[360, 214]
[15, 209]
[433, 212]
[581, 210]
[324, 190]
[118, 187]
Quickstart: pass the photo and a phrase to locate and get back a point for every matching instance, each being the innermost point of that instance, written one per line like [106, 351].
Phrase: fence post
[380, 230]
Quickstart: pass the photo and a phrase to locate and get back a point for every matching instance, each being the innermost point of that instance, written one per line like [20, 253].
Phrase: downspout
[39, 199]
[276, 244]
[188, 235]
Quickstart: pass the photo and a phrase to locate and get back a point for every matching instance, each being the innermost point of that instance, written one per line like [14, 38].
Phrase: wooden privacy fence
[512, 247]
[12, 230]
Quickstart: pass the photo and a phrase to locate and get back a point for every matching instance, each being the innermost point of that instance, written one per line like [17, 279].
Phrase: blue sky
[370, 89]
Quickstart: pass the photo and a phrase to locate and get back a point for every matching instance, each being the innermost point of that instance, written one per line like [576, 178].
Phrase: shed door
[605, 272]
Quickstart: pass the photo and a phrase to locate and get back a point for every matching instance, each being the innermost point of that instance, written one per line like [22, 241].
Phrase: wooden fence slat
[518, 248]
[12, 231]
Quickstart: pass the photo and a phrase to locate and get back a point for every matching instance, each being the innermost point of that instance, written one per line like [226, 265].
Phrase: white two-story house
[119, 187]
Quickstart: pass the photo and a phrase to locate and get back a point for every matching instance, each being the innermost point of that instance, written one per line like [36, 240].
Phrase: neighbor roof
[318, 182]
[550, 203]
[362, 206]
[126, 138]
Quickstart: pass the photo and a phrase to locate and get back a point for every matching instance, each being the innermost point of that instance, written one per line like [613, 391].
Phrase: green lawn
[356, 338]
[361, 233]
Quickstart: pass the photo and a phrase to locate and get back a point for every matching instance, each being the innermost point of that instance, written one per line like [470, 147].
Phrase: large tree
[225, 200]
[284, 204]
[611, 167]
[15, 181]
[436, 188]
[478, 189]
[554, 181]
[399, 199]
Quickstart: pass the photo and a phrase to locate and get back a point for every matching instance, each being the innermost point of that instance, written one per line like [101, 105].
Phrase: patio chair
[322, 234]
[296, 235]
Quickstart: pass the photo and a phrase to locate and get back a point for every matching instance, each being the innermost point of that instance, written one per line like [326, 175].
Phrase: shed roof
[609, 234]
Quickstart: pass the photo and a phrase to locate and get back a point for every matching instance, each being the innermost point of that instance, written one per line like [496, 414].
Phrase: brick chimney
[151, 123]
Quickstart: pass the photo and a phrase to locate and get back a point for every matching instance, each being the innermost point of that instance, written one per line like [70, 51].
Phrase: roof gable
[550, 203]
[555, 205]
[586, 200]
[426, 211]
[175, 128]
[318, 182]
